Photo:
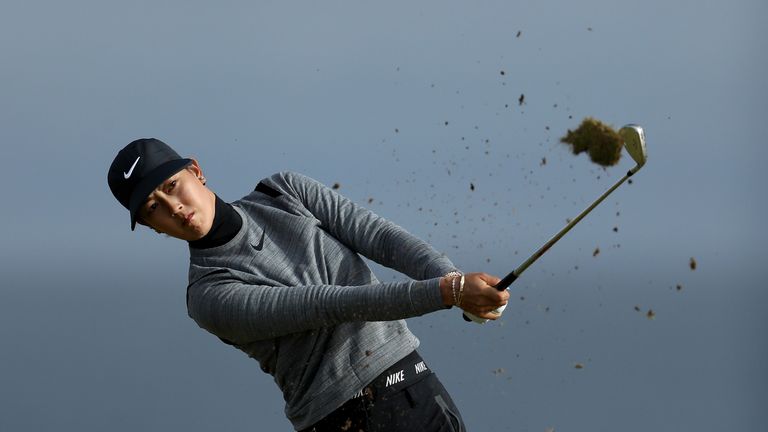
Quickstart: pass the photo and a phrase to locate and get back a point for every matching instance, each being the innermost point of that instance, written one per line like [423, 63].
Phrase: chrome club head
[634, 142]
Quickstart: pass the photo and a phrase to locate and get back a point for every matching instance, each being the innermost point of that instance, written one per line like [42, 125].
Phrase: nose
[174, 207]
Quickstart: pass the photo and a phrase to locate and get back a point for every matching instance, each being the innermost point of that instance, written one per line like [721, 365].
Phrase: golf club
[634, 142]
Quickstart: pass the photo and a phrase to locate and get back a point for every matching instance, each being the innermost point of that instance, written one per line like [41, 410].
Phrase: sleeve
[239, 312]
[364, 231]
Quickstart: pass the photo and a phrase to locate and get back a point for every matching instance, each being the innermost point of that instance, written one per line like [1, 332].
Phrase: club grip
[501, 286]
[506, 282]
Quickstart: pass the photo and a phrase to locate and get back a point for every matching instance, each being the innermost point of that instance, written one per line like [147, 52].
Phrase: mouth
[188, 219]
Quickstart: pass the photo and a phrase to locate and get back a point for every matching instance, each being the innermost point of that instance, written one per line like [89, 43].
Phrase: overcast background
[404, 104]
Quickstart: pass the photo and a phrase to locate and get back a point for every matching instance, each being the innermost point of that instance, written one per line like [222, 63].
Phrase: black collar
[226, 224]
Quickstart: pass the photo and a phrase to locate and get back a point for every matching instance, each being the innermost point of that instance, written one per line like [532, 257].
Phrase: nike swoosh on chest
[260, 245]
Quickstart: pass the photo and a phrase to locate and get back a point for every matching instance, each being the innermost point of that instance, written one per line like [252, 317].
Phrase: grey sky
[92, 316]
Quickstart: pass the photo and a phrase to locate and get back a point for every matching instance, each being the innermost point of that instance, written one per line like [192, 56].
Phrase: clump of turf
[600, 141]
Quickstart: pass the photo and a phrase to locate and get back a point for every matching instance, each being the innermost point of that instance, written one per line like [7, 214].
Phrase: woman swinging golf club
[278, 274]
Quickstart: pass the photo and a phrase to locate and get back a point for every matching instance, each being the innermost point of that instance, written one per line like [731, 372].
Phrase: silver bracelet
[453, 289]
[455, 275]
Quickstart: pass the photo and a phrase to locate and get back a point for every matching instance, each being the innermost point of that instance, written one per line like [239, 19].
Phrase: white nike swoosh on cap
[130, 171]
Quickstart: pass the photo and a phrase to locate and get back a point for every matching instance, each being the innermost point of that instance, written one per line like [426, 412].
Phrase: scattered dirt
[637, 308]
[679, 287]
[336, 185]
[370, 200]
[498, 371]
[543, 161]
[579, 366]
[651, 314]
[615, 229]
[519, 32]
[368, 353]
[502, 73]
[692, 264]
[600, 141]
[472, 186]
[596, 252]
[521, 100]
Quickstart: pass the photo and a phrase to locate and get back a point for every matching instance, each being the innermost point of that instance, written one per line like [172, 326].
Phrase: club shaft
[536, 255]
[508, 279]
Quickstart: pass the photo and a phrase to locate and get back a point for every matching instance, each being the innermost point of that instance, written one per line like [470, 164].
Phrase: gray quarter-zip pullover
[291, 291]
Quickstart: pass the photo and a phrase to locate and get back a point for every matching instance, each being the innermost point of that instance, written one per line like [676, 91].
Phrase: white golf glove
[479, 320]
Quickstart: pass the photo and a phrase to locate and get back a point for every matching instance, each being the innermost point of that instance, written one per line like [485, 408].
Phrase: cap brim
[150, 182]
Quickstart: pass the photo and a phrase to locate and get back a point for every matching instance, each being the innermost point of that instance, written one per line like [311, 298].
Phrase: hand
[480, 298]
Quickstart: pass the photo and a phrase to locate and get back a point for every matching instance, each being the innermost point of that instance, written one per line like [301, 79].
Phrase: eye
[151, 208]
[171, 184]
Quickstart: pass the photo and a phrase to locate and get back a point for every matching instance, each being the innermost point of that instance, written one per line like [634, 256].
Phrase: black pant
[416, 402]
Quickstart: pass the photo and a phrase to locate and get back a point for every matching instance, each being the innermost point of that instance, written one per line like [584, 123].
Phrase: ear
[195, 169]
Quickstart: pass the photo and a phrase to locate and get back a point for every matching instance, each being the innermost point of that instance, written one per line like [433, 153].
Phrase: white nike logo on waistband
[130, 171]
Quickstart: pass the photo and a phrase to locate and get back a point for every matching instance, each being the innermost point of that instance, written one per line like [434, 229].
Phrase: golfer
[279, 275]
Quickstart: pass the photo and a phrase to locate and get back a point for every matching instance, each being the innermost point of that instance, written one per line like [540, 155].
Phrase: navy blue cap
[139, 168]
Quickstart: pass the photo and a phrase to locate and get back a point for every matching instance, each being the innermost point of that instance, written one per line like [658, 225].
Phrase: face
[181, 206]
